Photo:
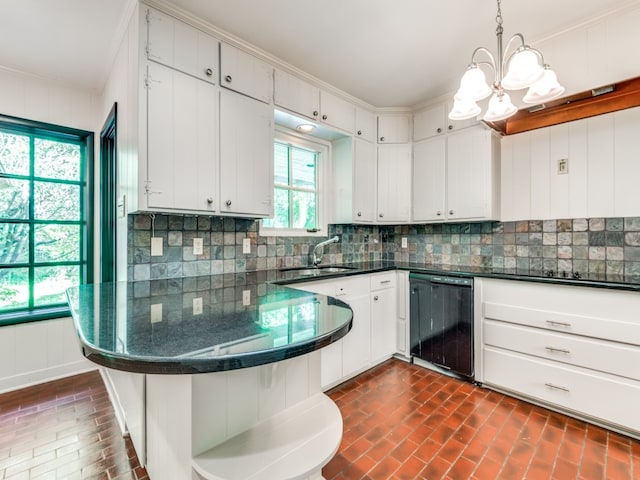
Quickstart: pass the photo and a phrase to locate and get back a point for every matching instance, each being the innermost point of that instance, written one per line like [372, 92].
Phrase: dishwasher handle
[442, 279]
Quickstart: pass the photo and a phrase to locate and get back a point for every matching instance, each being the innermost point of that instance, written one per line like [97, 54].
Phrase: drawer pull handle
[557, 350]
[385, 281]
[557, 387]
[558, 324]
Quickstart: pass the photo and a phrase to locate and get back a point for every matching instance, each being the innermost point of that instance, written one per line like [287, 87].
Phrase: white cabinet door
[294, 94]
[244, 73]
[365, 125]
[356, 353]
[364, 181]
[180, 46]
[393, 128]
[394, 183]
[181, 141]
[384, 319]
[429, 180]
[471, 173]
[246, 155]
[337, 112]
[429, 123]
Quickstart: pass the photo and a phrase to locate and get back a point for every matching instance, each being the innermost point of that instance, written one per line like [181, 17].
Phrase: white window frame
[323, 171]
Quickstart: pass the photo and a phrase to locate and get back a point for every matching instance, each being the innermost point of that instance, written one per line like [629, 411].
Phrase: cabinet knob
[228, 79]
[228, 203]
[324, 117]
[359, 214]
[451, 212]
[438, 213]
[375, 298]
[315, 113]
[381, 215]
[382, 139]
[450, 127]
[439, 130]
[210, 200]
[359, 132]
[209, 72]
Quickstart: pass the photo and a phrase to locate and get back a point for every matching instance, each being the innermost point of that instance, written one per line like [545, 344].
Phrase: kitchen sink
[313, 271]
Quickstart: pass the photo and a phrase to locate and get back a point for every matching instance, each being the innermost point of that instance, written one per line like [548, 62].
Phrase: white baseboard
[115, 401]
[45, 375]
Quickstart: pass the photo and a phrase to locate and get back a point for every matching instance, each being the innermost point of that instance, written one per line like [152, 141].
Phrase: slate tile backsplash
[594, 245]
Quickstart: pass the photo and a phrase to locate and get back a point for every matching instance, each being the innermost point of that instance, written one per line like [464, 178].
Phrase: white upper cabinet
[295, 94]
[434, 121]
[244, 73]
[394, 184]
[394, 128]
[364, 182]
[180, 46]
[337, 112]
[429, 177]
[472, 175]
[365, 125]
[246, 155]
[181, 141]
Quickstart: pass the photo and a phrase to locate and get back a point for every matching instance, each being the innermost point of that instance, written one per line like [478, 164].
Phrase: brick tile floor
[65, 429]
[402, 421]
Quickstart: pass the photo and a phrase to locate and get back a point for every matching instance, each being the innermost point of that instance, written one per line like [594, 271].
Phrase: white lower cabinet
[372, 338]
[575, 349]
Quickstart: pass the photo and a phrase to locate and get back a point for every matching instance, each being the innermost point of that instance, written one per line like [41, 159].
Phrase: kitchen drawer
[383, 280]
[337, 287]
[601, 355]
[605, 327]
[598, 395]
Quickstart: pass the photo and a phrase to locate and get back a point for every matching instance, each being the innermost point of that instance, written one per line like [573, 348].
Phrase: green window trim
[33, 261]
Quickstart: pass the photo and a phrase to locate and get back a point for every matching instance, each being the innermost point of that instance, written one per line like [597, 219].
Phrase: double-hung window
[299, 171]
[45, 217]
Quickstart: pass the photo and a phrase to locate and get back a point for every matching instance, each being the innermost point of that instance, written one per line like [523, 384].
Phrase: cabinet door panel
[355, 345]
[296, 95]
[365, 125]
[245, 73]
[364, 182]
[383, 324]
[246, 155]
[429, 123]
[337, 112]
[394, 183]
[181, 141]
[393, 129]
[429, 160]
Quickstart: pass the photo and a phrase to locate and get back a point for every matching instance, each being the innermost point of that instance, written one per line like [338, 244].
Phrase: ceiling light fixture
[524, 67]
[306, 128]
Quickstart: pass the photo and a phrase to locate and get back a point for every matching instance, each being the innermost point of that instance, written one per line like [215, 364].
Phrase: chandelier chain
[499, 15]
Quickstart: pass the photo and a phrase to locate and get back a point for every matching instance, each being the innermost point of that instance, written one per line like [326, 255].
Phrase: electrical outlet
[246, 297]
[156, 246]
[197, 246]
[156, 313]
[197, 306]
[246, 245]
[563, 166]
[404, 242]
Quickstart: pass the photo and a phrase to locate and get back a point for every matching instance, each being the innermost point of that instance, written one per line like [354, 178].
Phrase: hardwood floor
[65, 429]
[400, 422]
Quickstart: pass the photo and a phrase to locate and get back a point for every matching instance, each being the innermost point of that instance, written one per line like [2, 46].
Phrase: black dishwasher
[441, 321]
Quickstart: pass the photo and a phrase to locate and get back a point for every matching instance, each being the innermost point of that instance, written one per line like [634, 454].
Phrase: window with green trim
[45, 217]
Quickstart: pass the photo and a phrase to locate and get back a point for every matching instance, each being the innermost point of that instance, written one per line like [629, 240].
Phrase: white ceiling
[385, 53]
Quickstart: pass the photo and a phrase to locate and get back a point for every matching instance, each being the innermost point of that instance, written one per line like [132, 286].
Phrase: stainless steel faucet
[320, 246]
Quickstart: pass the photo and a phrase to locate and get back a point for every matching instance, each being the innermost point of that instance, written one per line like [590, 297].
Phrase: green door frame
[108, 197]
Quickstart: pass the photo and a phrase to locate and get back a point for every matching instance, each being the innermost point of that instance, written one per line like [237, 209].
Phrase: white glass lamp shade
[463, 109]
[524, 70]
[545, 89]
[473, 85]
[500, 108]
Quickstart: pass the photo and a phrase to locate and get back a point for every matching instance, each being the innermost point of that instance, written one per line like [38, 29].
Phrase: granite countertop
[202, 324]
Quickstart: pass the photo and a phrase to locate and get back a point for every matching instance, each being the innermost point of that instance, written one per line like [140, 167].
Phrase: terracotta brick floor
[402, 421]
[65, 429]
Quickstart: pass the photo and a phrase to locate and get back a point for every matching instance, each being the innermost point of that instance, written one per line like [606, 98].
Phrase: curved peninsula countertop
[202, 324]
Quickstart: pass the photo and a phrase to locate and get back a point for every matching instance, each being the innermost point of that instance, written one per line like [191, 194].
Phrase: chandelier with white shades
[525, 68]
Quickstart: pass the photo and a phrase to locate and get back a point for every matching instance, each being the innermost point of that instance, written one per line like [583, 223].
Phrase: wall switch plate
[563, 166]
[197, 306]
[197, 246]
[246, 245]
[156, 313]
[156, 246]
[404, 242]
[246, 297]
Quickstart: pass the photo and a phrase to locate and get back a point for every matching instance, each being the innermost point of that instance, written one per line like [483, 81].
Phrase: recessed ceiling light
[306, 128]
